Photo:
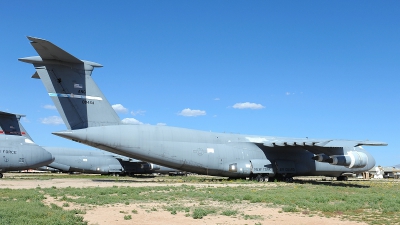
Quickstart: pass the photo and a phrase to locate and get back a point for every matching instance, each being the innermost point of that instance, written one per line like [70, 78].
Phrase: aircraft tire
[1, 175]
[342, 178]
[289, 179]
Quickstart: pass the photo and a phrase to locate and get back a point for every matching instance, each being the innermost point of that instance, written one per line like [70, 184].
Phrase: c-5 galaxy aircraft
[99, 162]
[91, 120]
[17, 150]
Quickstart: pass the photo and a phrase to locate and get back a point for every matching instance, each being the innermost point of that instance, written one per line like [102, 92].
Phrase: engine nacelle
[149, 166]
[321, 158]
[354, 159]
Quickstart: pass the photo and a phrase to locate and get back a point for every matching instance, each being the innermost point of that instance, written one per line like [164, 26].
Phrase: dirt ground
[153, 213]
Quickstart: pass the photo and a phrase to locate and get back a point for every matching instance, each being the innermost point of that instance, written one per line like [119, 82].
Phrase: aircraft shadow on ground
[140, 180]
[333, 183]
[124, 181]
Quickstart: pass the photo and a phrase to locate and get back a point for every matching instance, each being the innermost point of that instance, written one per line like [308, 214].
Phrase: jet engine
[354, 159]
[149, 166]
[321, 157]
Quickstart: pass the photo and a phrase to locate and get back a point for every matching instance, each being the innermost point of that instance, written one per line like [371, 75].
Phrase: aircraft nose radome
[47, 157]
[371, 162]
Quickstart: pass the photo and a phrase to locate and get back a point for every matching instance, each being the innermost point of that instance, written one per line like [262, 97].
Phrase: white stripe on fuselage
[75, 96]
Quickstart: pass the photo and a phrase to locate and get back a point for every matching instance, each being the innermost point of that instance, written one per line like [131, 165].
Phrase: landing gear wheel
[342, 178]
[1, 175]
[289, 179]
[260, 178]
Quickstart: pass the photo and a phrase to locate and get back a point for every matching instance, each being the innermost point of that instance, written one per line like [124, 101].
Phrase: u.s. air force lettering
[8, 152]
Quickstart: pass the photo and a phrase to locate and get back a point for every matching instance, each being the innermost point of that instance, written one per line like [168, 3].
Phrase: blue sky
[318, 69]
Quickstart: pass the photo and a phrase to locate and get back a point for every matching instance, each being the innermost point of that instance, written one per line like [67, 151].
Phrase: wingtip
[31, 38]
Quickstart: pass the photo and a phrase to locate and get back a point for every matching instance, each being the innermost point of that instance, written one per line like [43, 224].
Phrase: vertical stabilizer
[68, 81]
[10, 125]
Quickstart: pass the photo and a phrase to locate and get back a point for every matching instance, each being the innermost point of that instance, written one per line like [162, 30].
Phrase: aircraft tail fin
[68, 81]
[10, 125]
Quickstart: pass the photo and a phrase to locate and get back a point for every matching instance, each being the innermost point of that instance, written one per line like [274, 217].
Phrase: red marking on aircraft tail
[23, 133]
[1, 132]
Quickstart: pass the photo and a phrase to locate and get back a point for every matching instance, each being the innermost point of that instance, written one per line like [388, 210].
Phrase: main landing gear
[266, 178]
[261, 178]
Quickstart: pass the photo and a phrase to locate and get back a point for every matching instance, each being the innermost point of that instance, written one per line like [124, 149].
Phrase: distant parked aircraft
[100, 162]
[17, 150]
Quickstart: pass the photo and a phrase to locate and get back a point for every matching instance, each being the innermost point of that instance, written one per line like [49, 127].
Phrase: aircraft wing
[125, 159]
[50, 51]
[320, 143]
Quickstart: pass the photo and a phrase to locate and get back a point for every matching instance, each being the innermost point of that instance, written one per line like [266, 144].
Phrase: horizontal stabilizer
[50, 51]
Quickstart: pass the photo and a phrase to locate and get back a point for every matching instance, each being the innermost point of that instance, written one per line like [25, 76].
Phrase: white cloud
[119, 108]
[161, 124]
[52, 120]
[52, 107]
[217, 99]
[248, 105]
[138, 112]
[192, 112]
[131, 121]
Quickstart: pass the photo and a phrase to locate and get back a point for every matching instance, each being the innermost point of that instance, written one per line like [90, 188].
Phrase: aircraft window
[21, 160]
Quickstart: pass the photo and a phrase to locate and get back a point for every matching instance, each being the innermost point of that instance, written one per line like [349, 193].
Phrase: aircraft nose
[371, 161]
[46, 157]
[49, 157]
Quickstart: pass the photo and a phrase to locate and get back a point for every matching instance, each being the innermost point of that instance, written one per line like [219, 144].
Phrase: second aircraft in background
[100, 162]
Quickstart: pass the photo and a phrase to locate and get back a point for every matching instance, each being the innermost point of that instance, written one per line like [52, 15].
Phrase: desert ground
[144, 213]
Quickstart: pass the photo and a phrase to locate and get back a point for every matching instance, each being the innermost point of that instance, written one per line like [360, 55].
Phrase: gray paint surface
[100, 162]
[17, 150]
[91, 120]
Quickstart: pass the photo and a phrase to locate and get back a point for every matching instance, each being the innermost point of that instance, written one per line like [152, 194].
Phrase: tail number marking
[87, 102]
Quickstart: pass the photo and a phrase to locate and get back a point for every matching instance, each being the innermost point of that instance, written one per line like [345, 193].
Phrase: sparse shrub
[199, 213]
[290, 208]
[127, 217]
[229, 212]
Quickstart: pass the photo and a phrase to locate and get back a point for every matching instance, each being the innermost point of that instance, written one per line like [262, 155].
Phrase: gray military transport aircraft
[17, 150]
[99, 162]
[91, 120]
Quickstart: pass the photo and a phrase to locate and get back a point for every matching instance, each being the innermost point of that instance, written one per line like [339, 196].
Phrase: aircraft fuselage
[205, 152]
[20, 153]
